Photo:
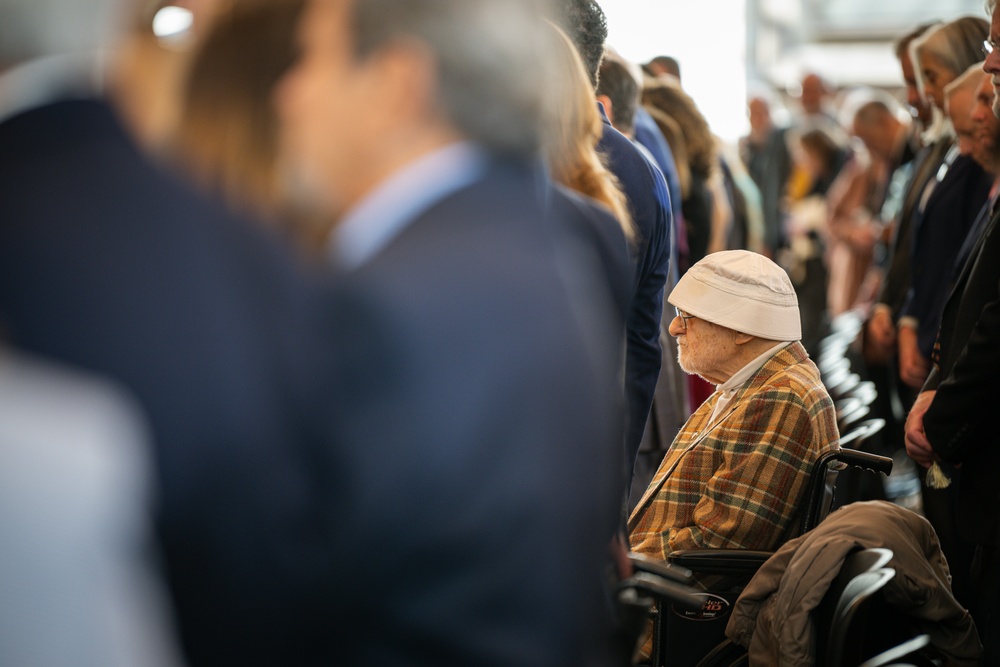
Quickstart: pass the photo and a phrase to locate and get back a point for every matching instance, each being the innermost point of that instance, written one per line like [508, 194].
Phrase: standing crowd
[895, 231]
[380, 331]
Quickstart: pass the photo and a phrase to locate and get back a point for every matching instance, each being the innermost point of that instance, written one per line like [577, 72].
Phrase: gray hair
[494, 60]
[38, 28]
[956, 45]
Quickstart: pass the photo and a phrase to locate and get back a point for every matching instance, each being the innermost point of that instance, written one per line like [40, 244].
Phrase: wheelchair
[846, 617]
[689, 624]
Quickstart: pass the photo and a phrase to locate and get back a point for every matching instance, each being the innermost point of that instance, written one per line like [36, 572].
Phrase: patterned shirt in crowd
[738, 482]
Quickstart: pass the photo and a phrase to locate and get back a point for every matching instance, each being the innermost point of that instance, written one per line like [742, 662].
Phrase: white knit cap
[741, 290]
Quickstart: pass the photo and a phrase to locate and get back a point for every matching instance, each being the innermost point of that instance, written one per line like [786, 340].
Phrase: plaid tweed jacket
[738, 483]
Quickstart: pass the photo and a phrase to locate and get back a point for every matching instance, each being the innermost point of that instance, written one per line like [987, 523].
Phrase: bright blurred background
[723, 45]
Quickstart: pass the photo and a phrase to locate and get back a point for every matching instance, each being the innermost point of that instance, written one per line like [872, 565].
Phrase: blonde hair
[228, 130]
[574, 129]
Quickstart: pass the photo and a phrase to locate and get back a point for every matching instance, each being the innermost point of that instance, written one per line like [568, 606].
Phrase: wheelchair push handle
[664, 589]
[669, 571]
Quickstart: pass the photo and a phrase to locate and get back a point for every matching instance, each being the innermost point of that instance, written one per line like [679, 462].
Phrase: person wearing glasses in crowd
[953, 419]
[737, 471]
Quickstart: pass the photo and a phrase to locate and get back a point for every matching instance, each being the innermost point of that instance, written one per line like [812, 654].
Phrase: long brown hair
[575, 128]
[669, 98]
[228, 130]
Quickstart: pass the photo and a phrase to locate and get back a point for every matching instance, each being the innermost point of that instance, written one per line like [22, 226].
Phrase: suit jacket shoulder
[481, 432]
[600, 237]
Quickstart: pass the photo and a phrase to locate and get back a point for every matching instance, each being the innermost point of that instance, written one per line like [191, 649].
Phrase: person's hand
[863, 237]
[913, 366]
[918, 447]
[880, 337]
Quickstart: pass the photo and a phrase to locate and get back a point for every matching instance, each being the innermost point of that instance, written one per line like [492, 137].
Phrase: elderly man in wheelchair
[737, 472]
[752, 468]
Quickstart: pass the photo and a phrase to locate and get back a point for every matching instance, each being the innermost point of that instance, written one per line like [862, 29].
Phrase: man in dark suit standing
[952, 418]
[649, 202]
[475, 475]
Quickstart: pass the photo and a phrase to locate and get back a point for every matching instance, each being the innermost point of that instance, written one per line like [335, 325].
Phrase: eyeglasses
[684, 318]
[989, 45]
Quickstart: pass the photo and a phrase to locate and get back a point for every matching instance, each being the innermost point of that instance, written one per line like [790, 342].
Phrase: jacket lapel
[963, 278]
[698, 426]
[690, 434]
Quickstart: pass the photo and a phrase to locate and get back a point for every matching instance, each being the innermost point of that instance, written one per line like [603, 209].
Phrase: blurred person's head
[814, 93]
[987, 124]
[992, 63]
[661, 65]
[618, 90]
[819, 153]
[228, 130]
[587, 26]
[381, 83]
[759, 114]
[576, 127]
[38, 28]
[667, 96]
[151, 67]
[205, 12]
[877, 124]
[919, 107]
[944, 52]
[959, 98]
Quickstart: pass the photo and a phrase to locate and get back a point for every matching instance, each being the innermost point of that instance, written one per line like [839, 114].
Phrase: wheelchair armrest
[873, 462]
[641, 563]
[720, 561]
[663, 589]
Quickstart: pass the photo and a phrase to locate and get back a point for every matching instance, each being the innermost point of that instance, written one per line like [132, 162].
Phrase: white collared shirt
[388, 209]
[730, 387]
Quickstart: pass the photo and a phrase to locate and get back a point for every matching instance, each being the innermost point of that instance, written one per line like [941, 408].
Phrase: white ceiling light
[172, 23]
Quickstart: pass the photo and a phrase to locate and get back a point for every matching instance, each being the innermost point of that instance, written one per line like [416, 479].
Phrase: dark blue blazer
[649, 204]
[110, 265]
[649, 135]
[479, 427]
[937, 236]
[596, 233]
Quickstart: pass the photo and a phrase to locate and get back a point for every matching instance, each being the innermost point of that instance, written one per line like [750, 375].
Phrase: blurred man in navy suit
[477, 462]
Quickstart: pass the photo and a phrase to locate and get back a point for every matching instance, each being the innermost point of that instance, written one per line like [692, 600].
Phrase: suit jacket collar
[955, 297]
[402, 198]
[963, 276]
[976, 251]
[787, 356]
[698, 427]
